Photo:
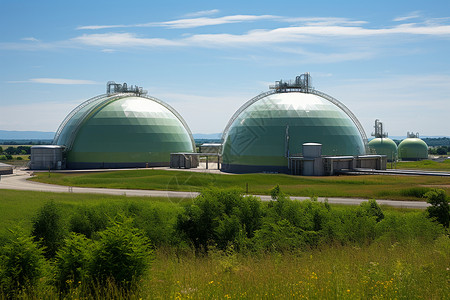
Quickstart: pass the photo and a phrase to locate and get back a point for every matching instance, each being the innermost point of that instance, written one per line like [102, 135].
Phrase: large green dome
[412, 149]
[123, 130]
[272, 126]
[384, 146]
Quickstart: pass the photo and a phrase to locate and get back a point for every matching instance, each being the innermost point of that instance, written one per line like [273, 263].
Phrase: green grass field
[18, 207]
[414, 266]
[424, 165]
[378, 271]
[368, 187]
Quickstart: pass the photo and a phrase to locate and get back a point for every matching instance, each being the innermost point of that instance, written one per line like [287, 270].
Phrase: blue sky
[383, 59]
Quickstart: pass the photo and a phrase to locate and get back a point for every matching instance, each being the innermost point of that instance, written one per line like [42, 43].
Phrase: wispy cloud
[202, 13]
[323, 21]
[56, 81]
[337, 32]
[412, 15]
[187, 23]
[123, 40]
[30, 39]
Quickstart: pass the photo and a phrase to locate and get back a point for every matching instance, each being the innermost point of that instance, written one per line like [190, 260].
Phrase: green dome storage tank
[413, 148]
[381, 144]
[384, 146]
[274, 125]
[123, 128]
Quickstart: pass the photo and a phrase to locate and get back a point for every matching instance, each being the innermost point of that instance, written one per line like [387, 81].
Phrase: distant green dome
[384, 146]
[123, 130]
[412, 149]
[272, 126]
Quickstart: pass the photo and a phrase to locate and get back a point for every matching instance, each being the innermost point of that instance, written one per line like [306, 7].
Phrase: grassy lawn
[370, 186]
[17, 208]
[413, 266]
[430, 165]
[378, 271]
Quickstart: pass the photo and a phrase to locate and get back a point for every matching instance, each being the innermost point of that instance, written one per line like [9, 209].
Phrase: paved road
[18, 181]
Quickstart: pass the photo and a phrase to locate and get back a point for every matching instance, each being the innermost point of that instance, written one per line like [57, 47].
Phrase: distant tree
[10, 150]
[1, 149]
[442, 150]
[439, 209]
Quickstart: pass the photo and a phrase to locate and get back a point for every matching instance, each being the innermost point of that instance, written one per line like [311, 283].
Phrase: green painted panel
[258, 135]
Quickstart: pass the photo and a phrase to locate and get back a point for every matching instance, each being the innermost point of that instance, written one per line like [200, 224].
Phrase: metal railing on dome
[72, 113]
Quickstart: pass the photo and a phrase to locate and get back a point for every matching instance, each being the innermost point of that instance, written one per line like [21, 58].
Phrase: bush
[22, 264]
[220, 216]
[72, 261]
[439, 209]
[372, 209]
[399, 227]
[89, 220]
[122, 255]
[48, 228]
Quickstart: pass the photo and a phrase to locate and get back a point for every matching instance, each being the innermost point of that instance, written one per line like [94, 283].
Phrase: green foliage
[122, 254]
[72, 261]
[88, 220]
[439, 209]
[22, 264]
[48, 228]
[417, 192]
[219, 216]
[372, 208]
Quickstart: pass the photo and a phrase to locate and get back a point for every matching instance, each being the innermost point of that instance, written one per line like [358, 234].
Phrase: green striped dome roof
[123, 130]
[384, 146]
[413, 149]
[256, 138]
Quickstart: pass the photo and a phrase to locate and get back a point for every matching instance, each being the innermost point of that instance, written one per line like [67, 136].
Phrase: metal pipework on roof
[116, 88]
[301, 83]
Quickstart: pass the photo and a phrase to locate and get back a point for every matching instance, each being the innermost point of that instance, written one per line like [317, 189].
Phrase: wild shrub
[122, 254]
[89, 220]
[371, 208]
[349, 226]
[22, 264]
[219, 216]
[48, 228]
[399, 227]
[279, 236]
[156, 221]
[72, 261]
[439, 209]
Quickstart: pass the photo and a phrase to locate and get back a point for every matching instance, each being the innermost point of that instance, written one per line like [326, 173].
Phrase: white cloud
[323, 21]
[187, 23]
[202, 13]
[331, 31]
[412, 15]
[122, 40]
[30, 39]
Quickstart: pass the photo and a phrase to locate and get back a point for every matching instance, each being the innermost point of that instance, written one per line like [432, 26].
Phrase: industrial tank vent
[116, 88]
[379, 132]
[301, 83]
